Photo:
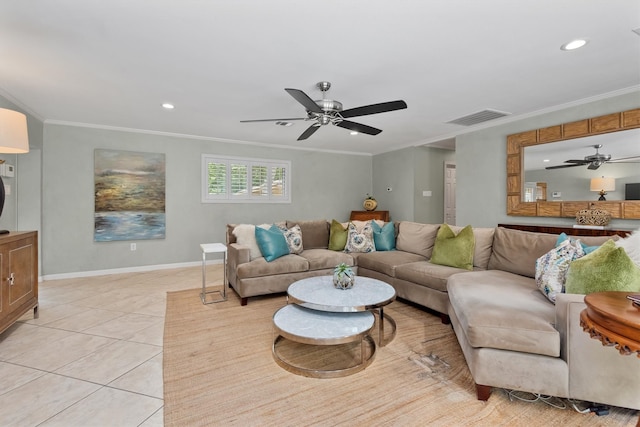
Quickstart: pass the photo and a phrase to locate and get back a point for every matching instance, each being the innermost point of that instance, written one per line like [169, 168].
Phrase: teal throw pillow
[384, 237]
[587, 249]
[452, 250]
[608, 268]
[272, 243]
[337, 236]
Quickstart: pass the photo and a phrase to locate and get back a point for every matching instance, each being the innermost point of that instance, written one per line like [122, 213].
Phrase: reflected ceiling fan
[594, 161]
[325, 111]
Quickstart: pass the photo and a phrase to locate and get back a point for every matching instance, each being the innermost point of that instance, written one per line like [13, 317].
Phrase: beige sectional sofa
[511, 335]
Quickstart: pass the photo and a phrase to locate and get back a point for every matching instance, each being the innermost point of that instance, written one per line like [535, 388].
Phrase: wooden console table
[552, 229]
[367, 215]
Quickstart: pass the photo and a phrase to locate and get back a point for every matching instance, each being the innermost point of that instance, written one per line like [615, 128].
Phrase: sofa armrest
[597, 373]
[236, 254]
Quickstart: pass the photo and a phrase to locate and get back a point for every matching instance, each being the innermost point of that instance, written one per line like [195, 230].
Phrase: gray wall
[481, 164]
[325, 185]
[408, 172]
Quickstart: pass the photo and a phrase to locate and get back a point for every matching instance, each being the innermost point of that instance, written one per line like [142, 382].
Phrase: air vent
[479, 117]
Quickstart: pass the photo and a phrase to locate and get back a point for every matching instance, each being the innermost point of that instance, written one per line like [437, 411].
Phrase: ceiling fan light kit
[327, 111]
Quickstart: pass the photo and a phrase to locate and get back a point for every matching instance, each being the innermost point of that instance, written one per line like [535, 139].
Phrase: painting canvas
[129, 195]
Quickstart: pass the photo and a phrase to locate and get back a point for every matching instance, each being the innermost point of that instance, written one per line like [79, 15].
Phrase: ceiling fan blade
[579, 162]
[273, 120]
[565, 166]
[304, 99]
[358, 127]
[632, 159]
[310, 131]
[383, 107]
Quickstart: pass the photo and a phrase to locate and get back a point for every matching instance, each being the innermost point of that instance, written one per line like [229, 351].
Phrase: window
[242, 180]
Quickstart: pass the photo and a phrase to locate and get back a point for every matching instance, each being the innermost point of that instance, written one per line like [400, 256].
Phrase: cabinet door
[20, 280]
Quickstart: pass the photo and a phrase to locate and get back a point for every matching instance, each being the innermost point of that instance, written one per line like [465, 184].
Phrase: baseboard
[139, 269]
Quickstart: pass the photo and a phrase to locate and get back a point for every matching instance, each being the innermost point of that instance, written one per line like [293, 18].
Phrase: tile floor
[94, 355]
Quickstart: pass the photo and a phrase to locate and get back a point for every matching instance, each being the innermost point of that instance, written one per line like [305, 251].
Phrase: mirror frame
[623, 209]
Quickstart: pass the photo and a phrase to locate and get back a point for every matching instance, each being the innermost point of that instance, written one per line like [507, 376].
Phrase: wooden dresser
[367, 215]
[19, 276]
[551, 229]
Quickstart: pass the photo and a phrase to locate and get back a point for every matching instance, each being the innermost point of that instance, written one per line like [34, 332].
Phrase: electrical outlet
[133, 247]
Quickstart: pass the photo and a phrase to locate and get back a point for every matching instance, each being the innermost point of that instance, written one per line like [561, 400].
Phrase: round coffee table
[307, 326]
[367, 294]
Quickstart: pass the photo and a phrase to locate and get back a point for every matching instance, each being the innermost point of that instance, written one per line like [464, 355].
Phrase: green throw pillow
[337, 236]
[272, 243]
[608, 268]
[452, 250]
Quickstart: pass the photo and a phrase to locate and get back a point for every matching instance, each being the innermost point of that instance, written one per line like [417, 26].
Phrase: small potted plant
[370, 203]
[343, 276]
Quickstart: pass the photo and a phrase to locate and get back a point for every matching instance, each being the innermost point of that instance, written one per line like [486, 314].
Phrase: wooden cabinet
[569, 230]
[18, 276]
[367, 215]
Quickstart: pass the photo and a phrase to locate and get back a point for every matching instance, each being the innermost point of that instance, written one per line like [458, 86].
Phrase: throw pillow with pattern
[360, 240]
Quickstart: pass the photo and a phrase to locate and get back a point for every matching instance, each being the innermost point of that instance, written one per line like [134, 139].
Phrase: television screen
[632, 191]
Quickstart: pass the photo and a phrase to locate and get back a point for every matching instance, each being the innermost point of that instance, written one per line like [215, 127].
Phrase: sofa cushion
[384, 237]
[260, 267]
[386, 262]
[497, 309]
[427, 274]
[337, 236]
[454, 250]
[608, 268]
[293, 236]
[516, 251]
[416, 238]
[320, 259]
[484, 244]
[272, 243]
[315, 233]
[360, 240]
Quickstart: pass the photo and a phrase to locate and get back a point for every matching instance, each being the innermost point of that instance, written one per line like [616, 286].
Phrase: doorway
[450, 193]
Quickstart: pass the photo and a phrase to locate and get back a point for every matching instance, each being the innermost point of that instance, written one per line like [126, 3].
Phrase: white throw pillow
[551, 268]
[631, 246]
[246, 236]
[360, 240]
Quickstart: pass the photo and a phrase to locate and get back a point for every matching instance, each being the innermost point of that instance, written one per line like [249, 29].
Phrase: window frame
[249, 196]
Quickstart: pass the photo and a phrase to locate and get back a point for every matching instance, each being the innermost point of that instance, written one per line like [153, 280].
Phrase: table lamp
[14, 139]
[602, 185]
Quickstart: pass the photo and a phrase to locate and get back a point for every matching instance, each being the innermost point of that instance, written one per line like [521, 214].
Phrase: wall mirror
[567, 184]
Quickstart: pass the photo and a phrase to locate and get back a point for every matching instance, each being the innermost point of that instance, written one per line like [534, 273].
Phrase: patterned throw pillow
[293, 236]
[551, 268]
[360, 241]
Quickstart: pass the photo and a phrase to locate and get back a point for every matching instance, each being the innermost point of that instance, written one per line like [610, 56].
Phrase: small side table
[213, 248]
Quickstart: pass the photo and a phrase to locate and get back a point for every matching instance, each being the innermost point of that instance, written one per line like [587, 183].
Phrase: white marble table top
[321, 327]
[318, 293]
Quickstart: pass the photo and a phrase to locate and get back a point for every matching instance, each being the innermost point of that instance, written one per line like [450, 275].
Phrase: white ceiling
[113, 63]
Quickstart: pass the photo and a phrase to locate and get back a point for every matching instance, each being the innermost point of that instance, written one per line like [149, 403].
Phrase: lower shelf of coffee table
[322, 344]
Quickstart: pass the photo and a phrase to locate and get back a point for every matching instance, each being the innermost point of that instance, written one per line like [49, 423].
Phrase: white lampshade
[14, 138]
[603, 184]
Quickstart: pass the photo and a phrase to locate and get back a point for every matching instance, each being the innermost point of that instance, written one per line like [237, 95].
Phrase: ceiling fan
[325, 111]
[594, 161]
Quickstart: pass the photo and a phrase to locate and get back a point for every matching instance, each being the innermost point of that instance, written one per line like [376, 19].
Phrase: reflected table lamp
[602, 185]
[14, 139]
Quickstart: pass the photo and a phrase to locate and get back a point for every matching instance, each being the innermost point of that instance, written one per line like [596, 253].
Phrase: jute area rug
[219, 370]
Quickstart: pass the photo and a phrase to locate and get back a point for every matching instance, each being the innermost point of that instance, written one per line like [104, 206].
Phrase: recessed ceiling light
[546, 160]
[168, 106]
[284, 124]
[354, 132]
[574, 44]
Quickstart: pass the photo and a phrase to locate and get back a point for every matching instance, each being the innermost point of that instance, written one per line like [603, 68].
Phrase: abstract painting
[129, 195]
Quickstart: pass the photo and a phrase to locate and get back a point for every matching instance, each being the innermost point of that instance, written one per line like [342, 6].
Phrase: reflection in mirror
[571, 180]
